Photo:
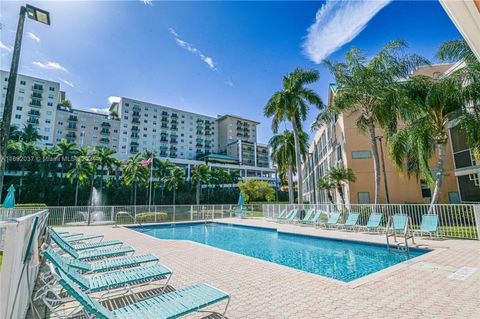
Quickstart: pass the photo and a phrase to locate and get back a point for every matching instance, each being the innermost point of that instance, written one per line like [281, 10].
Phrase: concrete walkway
[422, 287]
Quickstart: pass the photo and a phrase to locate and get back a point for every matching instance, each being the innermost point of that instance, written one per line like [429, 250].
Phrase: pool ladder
[407, 233]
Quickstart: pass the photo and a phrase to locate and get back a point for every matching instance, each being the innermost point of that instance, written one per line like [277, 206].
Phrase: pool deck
[418, 288]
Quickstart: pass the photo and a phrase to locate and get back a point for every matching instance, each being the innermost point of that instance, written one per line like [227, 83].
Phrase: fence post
[112, 213]
[191, 213]
[173, 213]
[63, 215]
[135, 214]
[476, 213]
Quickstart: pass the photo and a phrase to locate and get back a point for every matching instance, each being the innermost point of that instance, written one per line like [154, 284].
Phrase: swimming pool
[341, 260]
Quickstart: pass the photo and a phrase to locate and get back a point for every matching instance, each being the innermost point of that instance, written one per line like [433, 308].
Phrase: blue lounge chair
[333, 219]
[66, 234]
[240, 212]
[429, 224]
[373, 223]
[305, 218]
[314, 219]
[351, 221]
[399, 222]
[99, 266]
[90, 254]
[289, 217]
[78, 238]
[80, 247]
[171, 305]
[282, 214]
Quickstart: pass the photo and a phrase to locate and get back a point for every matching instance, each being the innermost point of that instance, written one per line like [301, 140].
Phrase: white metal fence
[22, 238]
[455, 220]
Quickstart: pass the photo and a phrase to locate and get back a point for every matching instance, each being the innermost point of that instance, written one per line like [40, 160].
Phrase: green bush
[34, 205]
[152, 217]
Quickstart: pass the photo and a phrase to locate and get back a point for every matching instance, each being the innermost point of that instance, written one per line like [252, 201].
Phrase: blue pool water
[341, 260]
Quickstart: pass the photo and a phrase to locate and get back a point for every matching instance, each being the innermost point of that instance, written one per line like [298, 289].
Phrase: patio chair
[80, 247]
[351, 221]
[99, 266]
[307, 216]
[314, 218]
[240, 212]
[66, 234]
[90, 254]
[289, 217]
[166, 306]
[373, 223]
[78, 238]
[429, 224]
[333, 219]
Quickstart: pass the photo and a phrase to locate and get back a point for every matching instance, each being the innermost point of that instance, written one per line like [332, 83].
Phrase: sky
[208, 57]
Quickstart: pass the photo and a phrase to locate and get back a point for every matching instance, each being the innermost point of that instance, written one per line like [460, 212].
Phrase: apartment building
[35, 102]
[341, 143]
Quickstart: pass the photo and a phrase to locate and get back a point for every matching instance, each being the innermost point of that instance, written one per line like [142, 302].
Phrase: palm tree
[66, 104]
[162, 169]
[369, 91]
[134, 173]
[455, 50]
[175, 177]
[15, 133]
[292, 103]
[30, 133]
[284, 154]
[63, 152]
[103, 161]
[431, 104]
[82, 171]
[200, 175]
[326, 184]
[340, 175]
[24, 150]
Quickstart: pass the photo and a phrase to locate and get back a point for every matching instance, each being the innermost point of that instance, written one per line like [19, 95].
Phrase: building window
[361, 154]
[363, 197]
[426, 191]
[18, 116]
[23, 83]
[19, 108]
[52, 89]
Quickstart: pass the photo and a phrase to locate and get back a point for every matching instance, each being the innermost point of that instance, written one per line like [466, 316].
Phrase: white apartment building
[35, 102]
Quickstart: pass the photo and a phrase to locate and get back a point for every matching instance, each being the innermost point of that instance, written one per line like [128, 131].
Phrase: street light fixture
[38, 15]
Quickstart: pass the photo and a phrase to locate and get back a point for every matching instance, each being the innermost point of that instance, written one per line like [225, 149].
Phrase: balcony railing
[34, 113]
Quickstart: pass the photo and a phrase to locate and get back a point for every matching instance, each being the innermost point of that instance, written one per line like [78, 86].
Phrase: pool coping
[373, 277]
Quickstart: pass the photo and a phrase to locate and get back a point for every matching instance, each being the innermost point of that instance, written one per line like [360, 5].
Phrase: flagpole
[151, 180]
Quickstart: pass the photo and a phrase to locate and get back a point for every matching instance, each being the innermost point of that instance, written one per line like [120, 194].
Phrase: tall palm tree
[340, 175]
[326, 184]
[455, 50]
[292, 103]
[175, 177]
[103, 161]
[15, 133]
[285, 155]
[162, 169]
[134, 173]
[66, 104]
[369, 91]
[63, 152]
[82, 171]
[24, 150]
[30, 133]
[431, 104]
[200, 175]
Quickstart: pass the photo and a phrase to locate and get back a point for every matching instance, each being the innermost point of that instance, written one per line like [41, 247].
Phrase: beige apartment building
[341, 143]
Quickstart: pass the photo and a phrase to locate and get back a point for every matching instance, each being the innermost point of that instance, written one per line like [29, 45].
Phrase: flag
[146, 162]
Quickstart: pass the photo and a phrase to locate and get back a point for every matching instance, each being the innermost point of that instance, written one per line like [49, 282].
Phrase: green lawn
[463, 232]
[254, 213]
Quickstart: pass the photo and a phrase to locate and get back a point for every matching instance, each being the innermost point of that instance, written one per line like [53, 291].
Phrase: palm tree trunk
[298, 158]
[291, 194]
[21, 185]
[342, 196]
[174, 193]
[135, 194]
[198, 193]
[439, 173]
[101, 180]
[330, 197]
[76, 193]
[376, 160]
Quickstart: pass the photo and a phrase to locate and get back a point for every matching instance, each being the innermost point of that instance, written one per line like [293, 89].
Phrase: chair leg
[226, 307]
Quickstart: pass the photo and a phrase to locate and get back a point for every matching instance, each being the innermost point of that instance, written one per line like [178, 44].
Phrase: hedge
[151, 217]
[31, 205]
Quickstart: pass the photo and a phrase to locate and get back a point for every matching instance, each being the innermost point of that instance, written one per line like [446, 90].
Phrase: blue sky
[208, 57]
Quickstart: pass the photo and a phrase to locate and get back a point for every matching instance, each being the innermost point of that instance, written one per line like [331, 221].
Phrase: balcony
[37, 96]
[135, 129]
[174, 122]
[135, 121]
[34, 113]
[134, 136]
[207, 134]
[163, 147]
[239, 134]
[37, 88]
[163, 139]
[71, 135]
[104, 140]
[173, 148]
[164, 120]
[199, 132]
[199, 121]
[136, 114]
[72, 118]
[36, 104]
[133, 143]
[164, 113]
[199, 145]
[133, 150]
[163, 153]
[173, 155]
[174, 128]
[32, 120]
[173, 141]
[164, 126]
[105, 131]
[174, 115]
[72, 127]
[136, 108]
[105, 124]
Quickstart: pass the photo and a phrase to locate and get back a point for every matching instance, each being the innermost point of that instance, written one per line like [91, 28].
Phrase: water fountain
[92, 216]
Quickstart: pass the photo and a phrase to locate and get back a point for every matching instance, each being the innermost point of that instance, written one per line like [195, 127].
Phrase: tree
[284, 154]
[63, 152]
[134, 173]
[161, 170]
[256, 190]
[326, 184]
[30, 133]
[340, 175]
[456, 50]
[66, 104]
[82, 171]
[292, 103]
[103, 161]
[173, 179]
[200, 175]
[15, 133]
[430, 105]
[369, 91]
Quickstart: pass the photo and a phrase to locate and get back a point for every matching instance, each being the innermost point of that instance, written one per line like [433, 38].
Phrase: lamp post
[42, 17]
[387, 197]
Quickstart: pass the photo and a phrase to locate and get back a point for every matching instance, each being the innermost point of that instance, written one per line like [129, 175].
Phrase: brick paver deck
[418, 288]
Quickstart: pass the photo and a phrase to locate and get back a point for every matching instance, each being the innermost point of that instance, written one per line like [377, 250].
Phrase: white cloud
[33, 37]
[50, 66]
[190, 48]
[147, 2]
[66, 82]
[113, 99]
[5, 47]
[97, 110]
[337, 23]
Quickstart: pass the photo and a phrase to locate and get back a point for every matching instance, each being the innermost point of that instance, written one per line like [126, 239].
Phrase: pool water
[341, 260]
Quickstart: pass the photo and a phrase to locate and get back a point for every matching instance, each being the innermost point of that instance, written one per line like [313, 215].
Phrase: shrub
[34, 205]
[151, 217]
